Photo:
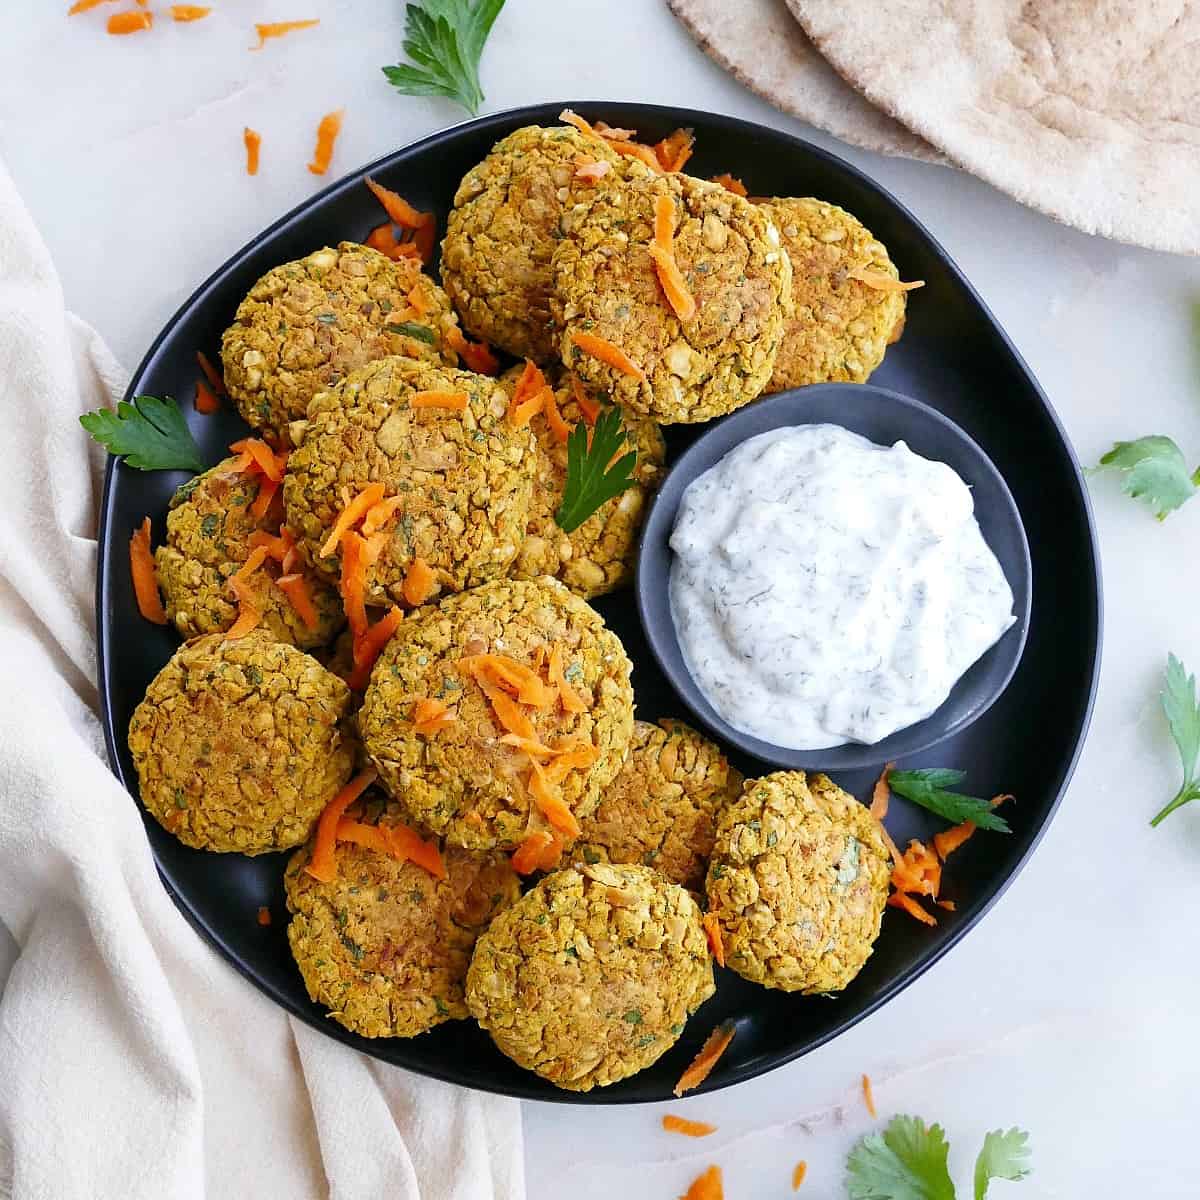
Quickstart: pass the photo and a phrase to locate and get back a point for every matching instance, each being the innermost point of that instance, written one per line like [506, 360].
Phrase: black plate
[953, 356]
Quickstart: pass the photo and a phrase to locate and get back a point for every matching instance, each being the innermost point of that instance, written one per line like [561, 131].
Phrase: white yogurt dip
[828, 590]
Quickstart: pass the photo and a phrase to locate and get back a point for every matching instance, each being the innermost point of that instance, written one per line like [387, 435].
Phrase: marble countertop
[1069, 1009]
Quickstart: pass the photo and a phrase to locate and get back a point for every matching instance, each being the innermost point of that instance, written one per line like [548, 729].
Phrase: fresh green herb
[929, 787]
[150, 434]
[1155, 471]
[327, 318]
[442, 1010]
[444, 39]
[412, 329]
[590, 480]
[907, 1161]
[1183, 716]
[210, 524]
[633, 1016]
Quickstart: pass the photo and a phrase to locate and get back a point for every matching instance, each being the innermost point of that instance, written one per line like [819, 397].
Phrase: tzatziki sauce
[828, 590]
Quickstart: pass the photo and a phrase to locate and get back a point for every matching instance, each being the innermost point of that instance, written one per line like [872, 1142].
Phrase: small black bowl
[884, 417]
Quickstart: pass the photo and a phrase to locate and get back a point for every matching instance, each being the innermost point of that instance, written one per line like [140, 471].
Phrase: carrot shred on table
[322, 863]
[716, 943]
[425, 240]
[328, 129]
[949, 840]
[881, 281]
[206, 400]
[568, 697]
[451, 401]
[910, 906]
[696, 1129]
[264, 915]
[145, 581]
[132, 21]
[882, 793]
[673, 284]
[869, 1096]
[948, 905]
[278, 29]
[268, 489]
[730, 183]
[420, 582]
[82, 6]
[558, 427]
[351, 515]
[295, 588]
[372, 837]
[613, 356]
[397, 208]
[189, 12]
[252, 140]
[383, 239]
[408, 845]
[527, 857]
[367, 647]
[215, 379]
[675, 149]
[431, 716]
[799, 1171]
[589, 407]
[702, 1065]
[706, 1187]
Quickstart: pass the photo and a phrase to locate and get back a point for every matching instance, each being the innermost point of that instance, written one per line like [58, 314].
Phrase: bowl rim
[654, 605]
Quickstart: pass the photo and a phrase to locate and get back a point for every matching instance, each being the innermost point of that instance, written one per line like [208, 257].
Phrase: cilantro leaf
[444, 39]
[929, 787]
[1183, 717]
[1004, 1156]
[591, 482]
[412, 329]
[905, 1162]
[149, 433]
[1155, 471]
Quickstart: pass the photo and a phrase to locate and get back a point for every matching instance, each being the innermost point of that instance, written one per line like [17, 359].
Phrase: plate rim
[534, 114]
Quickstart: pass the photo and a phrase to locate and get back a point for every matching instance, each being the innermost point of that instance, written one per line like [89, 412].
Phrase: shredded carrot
[328, 129]
[507, 711]
[352, 583]
[215, 380]
[268, 489]
[664, 222]
[264, 915]
[520, 680]
[702, 1065]
[408, 845]
[869, 1096]
[477, 355]
[675, 149]
[432, 716]
[643, 154]
[697, 1129]
[322, 865]
[295, 588]
[706, 1187]
[397, 208]
[949, 840]
[362, 834]
[248, 616]
[573, 755]
[799, 1171]
[570, 699]
[882, 793]
[567, 117]
[129, 22]
[881, 281]
[673, 284]
[558, 427]
[529, 396]
[453, 401]
[206, 401]
[918, 871]
[948, 905]
[351, 515]
[716, 943]
[189, 12]
[610, 134]
[379, 515]
[383, 239]
[910, 906]
[527, 857]
[730, 183]
[145, 581]
[368, 645]
[278, 29]
[552, 806]
[589, 170]
[425, 241]
[417, 302]
[420, 580]
[262, 455]
[252, 140]
[606, 352]
[587, 406]
[82, 6]
[277, 547]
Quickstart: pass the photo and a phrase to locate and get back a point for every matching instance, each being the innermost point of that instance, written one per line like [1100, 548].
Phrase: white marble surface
[1070, 1009]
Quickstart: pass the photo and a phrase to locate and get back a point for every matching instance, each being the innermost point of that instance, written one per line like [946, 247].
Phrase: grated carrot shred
[264, 915]
[145, 581]
[206, 402]
[568, 697]
[328, 129]
[352, 583]
[477, 355]
[351, 515]
[278, 29]
[268, 489]
[589, 170]
[706, 1187]
[613, 356]
[567, 117]
[882, 793]
[248, 617]
[716, 943]
[372, 837]
[673, 284]
[507, 711]
[799, 1171]
[82, 6]
[263, 457]
[379, 515]
[432, 716]
[611, 134]
[696, 1129]
[550, 803]
[451, 401]
[529, 396]
[295, 588]
[702, 1065]
[881, 281]
[730, 183]
[189, 12]
[322, 864]
[252, 140]
[949, 840]
[397, 208]
[215, 379]
[519, 680]
[948, 905]
[587, 406]
[910, 906]
[527, 857]
[643, 154]
[383, 239]
[369, 645]
[420, 582]
[131, 21]
[675, 149]
[869, 1096]
[408, 845]
[558, 427]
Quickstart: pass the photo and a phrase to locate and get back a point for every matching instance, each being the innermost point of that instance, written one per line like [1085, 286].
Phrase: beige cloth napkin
[133, 1061]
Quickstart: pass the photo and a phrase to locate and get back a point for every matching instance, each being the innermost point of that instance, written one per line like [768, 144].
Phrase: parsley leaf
[905, 1162]
[149, 433]
[413, 329]
[1183, 716]
[591, 482]
[444, 39]
[929, 787]
[1155, 471]
[1004, 1156]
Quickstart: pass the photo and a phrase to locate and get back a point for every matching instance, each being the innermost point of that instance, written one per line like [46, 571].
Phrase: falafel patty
[209, 526]
[466, 781]
[841, 326]
[798, 880]
[598, 556]
[729, 254]
[305, 325]
[240, 744]
[501, 233]
[590, 977]
[661, 810]
[385, 946]
[465, 478]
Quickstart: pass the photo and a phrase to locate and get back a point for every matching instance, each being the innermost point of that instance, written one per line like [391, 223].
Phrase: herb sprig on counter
[1155, 471]
[908, 1161]
[149, 433]
[1183, 717]
[444, 39]
[591, 482]
[929, 787]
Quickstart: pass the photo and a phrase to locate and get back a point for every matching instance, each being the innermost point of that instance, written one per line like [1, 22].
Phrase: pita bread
[1084, 109]
[762, 46]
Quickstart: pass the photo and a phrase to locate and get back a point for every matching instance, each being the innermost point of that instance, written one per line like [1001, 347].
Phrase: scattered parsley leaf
[150, 434]
[591, 482]
[905, 1162]
[1183, 716]
[929, 787]
[412, 329]
[1155, 471]
[444, 39]
[1004, 1156]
